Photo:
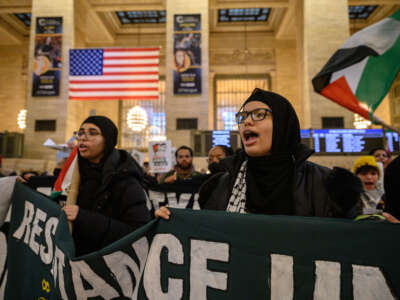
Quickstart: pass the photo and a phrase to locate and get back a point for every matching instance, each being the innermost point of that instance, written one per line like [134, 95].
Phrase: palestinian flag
[360, 73]
[64, 179]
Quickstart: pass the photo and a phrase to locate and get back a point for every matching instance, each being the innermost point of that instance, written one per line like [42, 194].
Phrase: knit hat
[364, 161]
[108, 130]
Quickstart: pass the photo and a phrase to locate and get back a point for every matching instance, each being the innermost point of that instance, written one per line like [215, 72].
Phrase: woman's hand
[390, 218]
[163, 212]
[71, 211]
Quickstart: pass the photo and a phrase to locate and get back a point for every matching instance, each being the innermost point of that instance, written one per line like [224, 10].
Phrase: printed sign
[47, 60]
[160, 156]
[187, 54]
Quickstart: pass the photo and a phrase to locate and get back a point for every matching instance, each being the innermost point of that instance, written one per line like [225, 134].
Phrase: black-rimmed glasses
[89, 134]
[257, 114]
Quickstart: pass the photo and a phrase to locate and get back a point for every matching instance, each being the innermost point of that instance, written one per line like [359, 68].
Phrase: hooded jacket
[115, 209]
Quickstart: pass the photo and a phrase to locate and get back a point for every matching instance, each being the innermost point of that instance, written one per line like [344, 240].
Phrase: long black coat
[310, 192]
[116, 209]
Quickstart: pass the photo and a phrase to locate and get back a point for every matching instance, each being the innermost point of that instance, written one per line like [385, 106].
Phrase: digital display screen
[393, 141]
[221, 137]
[346, 140]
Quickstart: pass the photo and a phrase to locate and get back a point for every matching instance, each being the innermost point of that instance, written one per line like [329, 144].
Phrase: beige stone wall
[186, 106]
[287, 83]
[13, 60]
[325, 29]
[40, 108]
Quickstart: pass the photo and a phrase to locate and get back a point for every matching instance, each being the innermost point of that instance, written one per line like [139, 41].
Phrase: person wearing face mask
[111, 202]
[215, 155]
[272, 174]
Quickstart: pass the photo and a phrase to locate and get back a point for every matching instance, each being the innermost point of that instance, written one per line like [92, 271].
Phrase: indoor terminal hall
[204, 59]
[199, 149]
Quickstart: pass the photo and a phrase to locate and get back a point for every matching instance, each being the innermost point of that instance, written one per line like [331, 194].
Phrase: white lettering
[100, 288]
[200, 276]
[152, 273]
[119, 263]
[281, 277]
[50, 229]
[369, 283]
[25, 224]
[36, 229]
[327, 280]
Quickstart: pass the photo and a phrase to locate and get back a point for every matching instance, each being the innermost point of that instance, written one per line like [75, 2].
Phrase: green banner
[202, 255]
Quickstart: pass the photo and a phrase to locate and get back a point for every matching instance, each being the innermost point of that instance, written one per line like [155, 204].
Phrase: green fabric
[207, 255]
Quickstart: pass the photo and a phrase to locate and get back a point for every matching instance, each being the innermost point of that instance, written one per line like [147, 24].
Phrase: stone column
[49, 108]
[186, 106]
[323, 26]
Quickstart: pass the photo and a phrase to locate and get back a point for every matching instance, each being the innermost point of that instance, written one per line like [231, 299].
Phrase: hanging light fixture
[360, 122]
[21, 120]
[137, 118]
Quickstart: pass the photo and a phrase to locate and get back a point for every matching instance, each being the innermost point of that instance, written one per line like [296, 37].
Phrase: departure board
[221, 137]
[305, 135]
[393, 142]
[346, 140]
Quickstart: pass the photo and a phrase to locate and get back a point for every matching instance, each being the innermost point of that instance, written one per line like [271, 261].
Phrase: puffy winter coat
[117, 208]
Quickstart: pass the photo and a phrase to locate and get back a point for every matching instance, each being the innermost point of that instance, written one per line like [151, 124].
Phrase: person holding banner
[272, 174]
[111, 201]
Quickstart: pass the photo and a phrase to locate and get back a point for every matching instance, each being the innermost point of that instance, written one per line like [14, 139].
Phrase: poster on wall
[187, 54]
[47, 57]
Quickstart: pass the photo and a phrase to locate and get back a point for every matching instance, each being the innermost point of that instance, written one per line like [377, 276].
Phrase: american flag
[113, 73]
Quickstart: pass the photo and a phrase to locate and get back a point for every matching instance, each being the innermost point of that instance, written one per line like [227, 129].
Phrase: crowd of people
[270, 175]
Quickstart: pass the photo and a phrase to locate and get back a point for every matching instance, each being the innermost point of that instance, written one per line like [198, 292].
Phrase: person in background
[184, 168]
[111, 201]
[215, 155]
[28, 174]
[381, 156]
[368, 171]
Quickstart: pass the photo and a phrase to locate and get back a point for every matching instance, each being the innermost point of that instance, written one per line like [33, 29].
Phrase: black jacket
[310, 193]
[116, 209]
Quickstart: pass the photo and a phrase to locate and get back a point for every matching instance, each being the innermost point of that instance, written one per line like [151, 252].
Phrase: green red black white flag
[359, 75]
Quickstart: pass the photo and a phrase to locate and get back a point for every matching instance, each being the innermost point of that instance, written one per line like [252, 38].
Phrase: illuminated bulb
[137, 119]
[21, 120]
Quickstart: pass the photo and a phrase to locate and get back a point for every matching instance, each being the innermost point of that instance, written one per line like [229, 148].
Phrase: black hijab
[92, 173]
[270, 178]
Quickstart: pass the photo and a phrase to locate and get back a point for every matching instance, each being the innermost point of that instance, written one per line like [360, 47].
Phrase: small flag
[114, 74]
[360, 73]
[64, 179]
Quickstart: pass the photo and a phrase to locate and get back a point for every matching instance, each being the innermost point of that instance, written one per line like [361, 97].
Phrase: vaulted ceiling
[97, 22]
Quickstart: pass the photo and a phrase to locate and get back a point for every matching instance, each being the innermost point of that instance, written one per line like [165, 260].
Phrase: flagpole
[73, 190]
[379, 121]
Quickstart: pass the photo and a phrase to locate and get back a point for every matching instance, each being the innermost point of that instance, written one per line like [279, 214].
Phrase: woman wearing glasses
[111, 201]
[272, 174]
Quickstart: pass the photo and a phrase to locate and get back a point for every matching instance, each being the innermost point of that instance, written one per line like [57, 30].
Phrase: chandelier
[360, 122]
[21, 120]
[137, 118]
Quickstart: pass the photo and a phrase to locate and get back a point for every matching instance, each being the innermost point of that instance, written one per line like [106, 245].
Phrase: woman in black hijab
[272, 174]
[111, 201]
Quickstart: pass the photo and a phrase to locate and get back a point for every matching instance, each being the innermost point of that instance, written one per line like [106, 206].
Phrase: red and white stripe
[130, 73]
[64, 179]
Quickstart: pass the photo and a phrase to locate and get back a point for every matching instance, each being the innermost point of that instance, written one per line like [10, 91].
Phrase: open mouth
[369, 184]
[82, 147]
[249, 137]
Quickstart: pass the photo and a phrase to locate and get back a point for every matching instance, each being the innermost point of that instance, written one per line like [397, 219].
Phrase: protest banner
[202, 255]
